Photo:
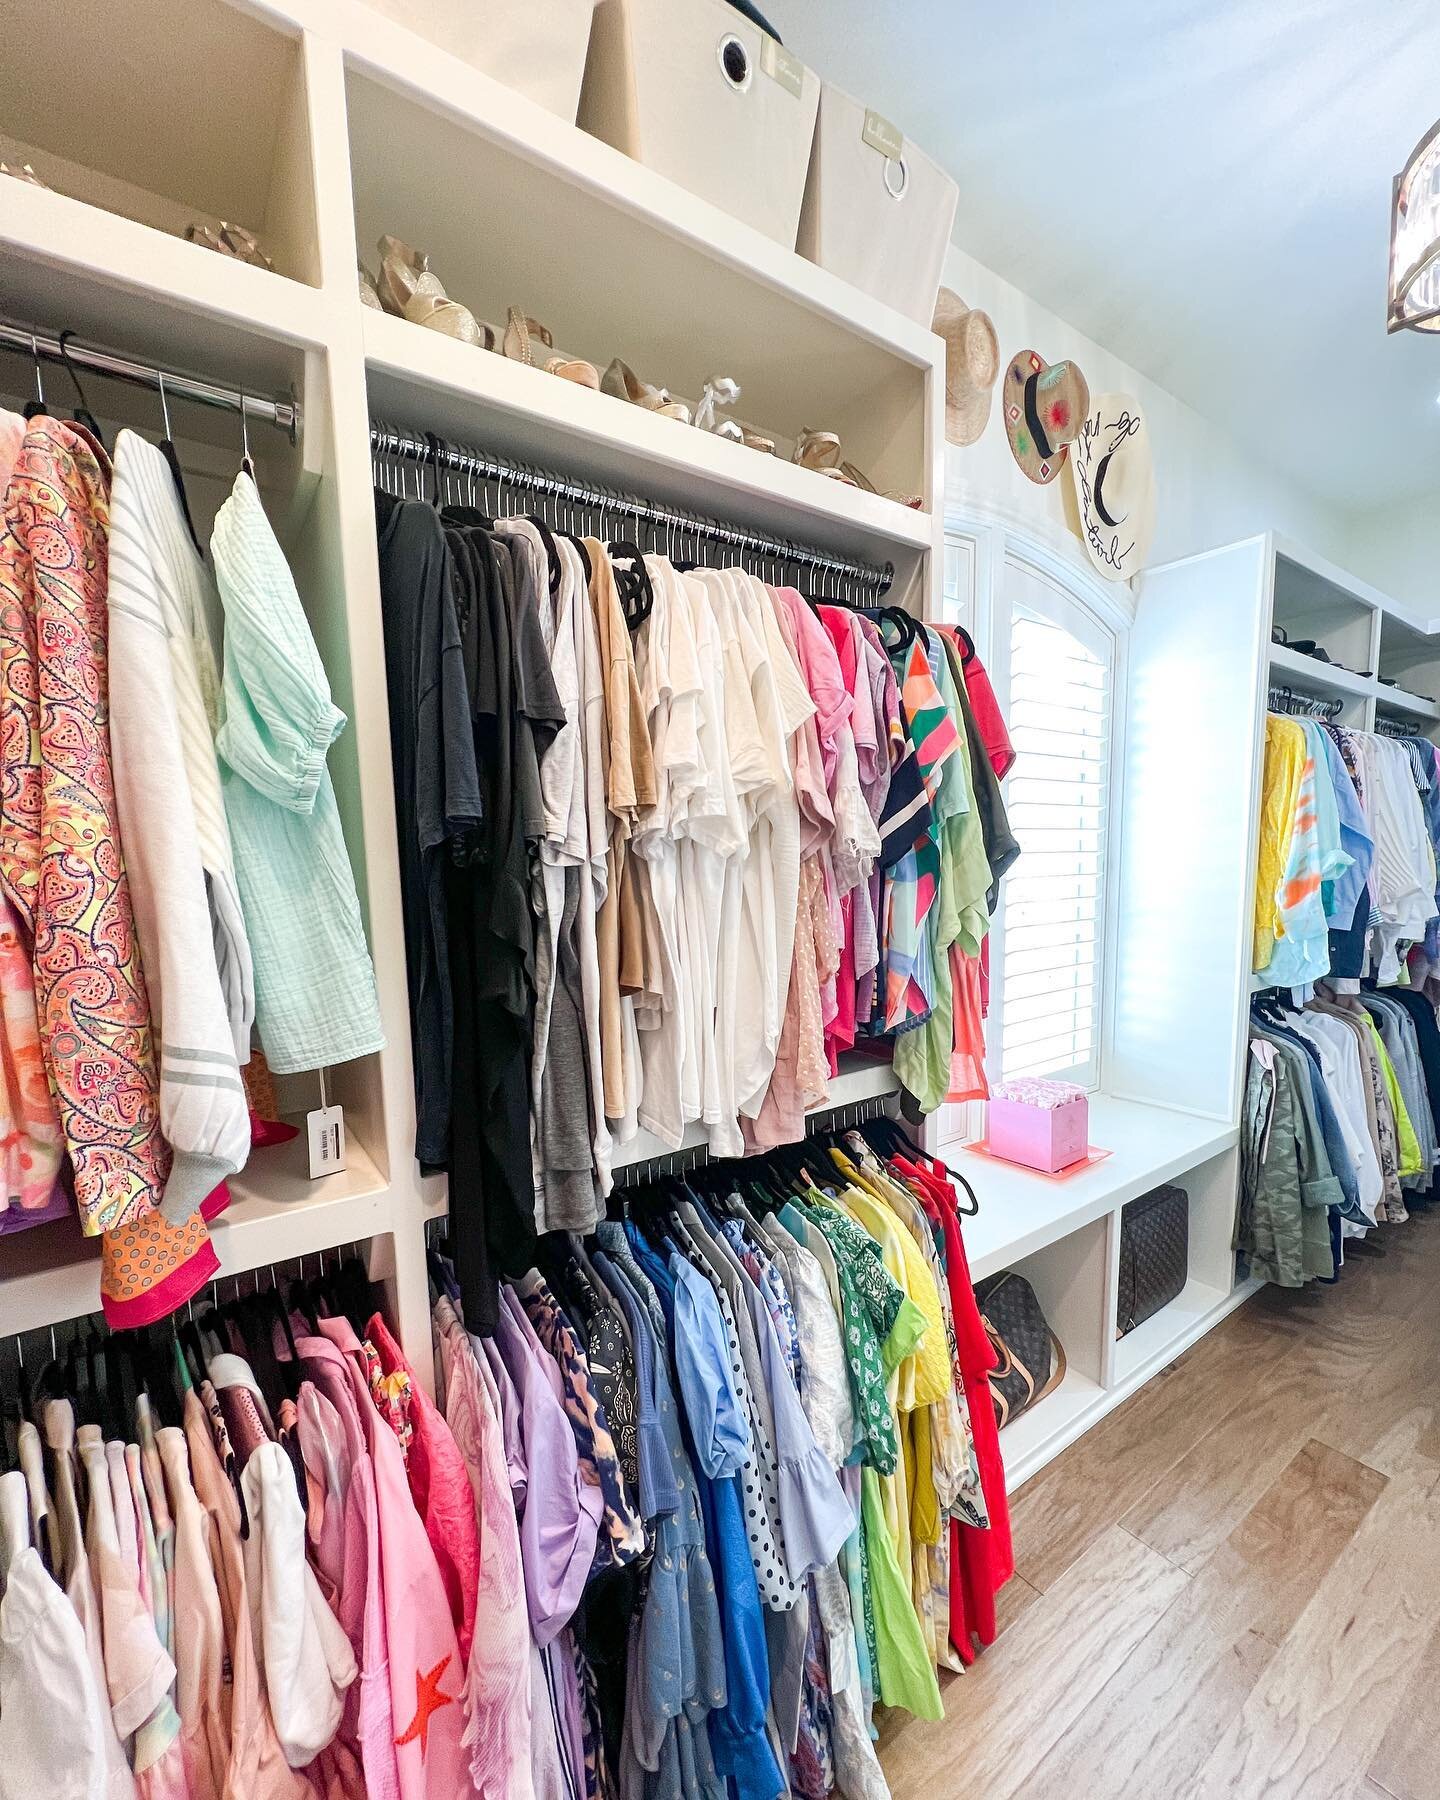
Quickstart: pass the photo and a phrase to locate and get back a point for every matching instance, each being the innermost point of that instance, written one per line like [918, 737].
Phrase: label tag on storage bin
[881, 135]
[780, 65]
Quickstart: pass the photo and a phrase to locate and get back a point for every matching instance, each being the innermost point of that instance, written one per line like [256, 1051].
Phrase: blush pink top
[426, 1674]
[441, 1490]
[347, 1553]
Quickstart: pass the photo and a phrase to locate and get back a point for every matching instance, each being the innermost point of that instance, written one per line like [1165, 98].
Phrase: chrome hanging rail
[430, 455]
[1302, 705]
[170, 385]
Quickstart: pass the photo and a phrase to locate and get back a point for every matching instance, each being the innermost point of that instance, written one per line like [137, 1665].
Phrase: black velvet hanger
[552, 553]
[1268, 1006]
[579, 544]
[632, 582]
[172, 458]
[83, 415]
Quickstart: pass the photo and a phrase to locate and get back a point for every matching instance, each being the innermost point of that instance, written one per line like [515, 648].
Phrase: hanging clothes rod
[1388, 725]
[1305, 706]
[844, 1115]
[169, 385]
[428, 452]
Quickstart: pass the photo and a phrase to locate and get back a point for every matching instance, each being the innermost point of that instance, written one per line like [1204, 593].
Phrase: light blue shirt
[315, 1001]
[713, 1404]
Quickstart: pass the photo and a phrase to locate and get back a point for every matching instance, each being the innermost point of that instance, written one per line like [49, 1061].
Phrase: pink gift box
[1047, 1138]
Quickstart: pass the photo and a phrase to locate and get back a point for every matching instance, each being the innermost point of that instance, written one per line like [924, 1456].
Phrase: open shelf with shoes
[174, 113]
[569, 247]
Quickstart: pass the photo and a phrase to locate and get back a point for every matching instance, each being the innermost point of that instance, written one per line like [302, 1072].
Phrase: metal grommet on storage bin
[734, 62]
[896, 177]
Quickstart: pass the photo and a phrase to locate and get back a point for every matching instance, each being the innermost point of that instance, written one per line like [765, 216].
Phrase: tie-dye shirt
[1301, 950]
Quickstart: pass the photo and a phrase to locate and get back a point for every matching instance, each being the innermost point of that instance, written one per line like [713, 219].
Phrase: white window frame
[1099, 613]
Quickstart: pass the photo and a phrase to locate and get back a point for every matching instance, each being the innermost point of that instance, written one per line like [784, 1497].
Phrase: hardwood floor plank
[1404, 1766]
[1038, 1680]
[1316, 1718]
[1276, 1636]
[1115, 1465]
[1015, 1598]
[1158, 1717]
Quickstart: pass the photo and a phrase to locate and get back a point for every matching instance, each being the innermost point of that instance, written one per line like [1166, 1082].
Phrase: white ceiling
[1202, 186]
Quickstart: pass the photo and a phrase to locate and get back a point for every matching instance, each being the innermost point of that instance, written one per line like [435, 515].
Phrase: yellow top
[1285, 756]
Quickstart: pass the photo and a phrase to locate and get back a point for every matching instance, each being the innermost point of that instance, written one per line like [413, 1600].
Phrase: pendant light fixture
[1414, 301]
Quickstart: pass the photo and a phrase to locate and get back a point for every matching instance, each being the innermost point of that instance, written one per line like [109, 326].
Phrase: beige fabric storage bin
[539, 50]
[878, 211]
[694, 91]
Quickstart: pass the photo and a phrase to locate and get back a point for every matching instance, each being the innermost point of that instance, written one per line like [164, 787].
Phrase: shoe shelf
[426, 380]
[173, 112]
[69, 265]
[1292, 668]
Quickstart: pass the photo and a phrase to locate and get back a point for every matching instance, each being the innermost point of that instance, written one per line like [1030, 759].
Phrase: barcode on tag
[325, 1128]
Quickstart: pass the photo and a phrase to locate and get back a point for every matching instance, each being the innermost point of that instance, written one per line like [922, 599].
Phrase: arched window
[1055, 663]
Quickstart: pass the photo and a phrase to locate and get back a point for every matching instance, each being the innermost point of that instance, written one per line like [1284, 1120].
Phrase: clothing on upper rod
[1346, 879]
[188, 796]
[663, 882]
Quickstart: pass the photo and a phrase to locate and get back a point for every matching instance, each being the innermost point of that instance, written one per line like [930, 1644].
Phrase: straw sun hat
[1045, 405]
[972, 364]
[1114, 475]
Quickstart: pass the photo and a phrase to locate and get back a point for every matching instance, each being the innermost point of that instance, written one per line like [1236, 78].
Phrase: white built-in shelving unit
[321, 124]
[1199, 660]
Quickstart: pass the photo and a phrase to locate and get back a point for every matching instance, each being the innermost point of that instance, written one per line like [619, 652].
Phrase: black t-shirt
[515, 711]
[437, 790]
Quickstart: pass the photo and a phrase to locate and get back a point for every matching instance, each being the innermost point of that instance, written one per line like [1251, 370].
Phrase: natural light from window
[1053, 899]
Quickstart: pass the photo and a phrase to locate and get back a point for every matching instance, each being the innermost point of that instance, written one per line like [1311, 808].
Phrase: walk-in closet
[719, 903]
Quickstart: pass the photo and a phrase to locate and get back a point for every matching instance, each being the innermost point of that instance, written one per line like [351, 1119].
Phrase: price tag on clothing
[325, 1130]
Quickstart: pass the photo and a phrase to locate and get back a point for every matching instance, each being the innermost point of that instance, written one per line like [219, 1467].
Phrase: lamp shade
[1415, 240]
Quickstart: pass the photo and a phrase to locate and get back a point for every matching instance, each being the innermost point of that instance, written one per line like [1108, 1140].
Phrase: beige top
[629, 790]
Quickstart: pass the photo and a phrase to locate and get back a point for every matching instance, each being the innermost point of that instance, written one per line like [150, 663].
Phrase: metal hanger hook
[164, 405]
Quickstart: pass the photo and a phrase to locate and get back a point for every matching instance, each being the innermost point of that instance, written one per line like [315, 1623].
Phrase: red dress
[981, 1562]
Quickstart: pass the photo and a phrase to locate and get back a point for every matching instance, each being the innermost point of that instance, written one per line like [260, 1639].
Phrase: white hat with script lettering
[1114, 475]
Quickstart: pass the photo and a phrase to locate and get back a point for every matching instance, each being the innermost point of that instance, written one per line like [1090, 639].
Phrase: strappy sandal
[521, 335]
[819, 451]
[244, 246]
[24, 173]
[410, 289]
[621, 381]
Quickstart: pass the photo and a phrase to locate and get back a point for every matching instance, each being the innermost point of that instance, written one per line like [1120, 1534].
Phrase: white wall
[1399, 550]
[1210, 493]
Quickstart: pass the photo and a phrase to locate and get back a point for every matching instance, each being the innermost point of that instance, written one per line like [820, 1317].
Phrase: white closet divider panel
[1187, 831]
